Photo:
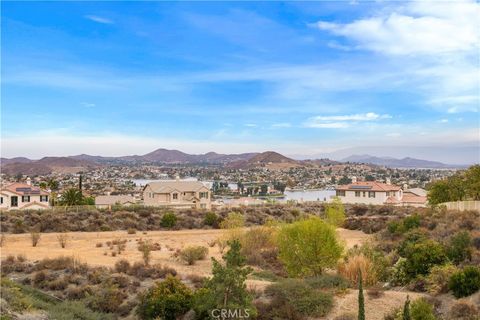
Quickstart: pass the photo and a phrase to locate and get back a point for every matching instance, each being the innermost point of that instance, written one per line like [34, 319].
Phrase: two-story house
[23, 196]
[369, 192]
[177, 194]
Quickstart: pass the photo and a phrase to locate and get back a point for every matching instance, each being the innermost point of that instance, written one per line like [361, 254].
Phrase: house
[23, 196]
[377, 193]
[177, 194]
[106, 202]
[369, 192]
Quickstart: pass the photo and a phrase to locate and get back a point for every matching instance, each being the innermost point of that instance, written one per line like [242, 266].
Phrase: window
[25, 198]
[340, 193]
[203, 206]
[203, 195]
[14, 201]
[175, 196]
[357, 193]
[43, 198]
[388, 193]
[364, 194]
[1, 200]
[371, 194]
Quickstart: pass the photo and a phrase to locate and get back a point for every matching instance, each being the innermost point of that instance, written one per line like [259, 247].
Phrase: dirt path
[82, 246]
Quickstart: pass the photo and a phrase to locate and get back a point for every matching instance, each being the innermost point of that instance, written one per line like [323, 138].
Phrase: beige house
[177, 194]
[23, 196]
[106, 202]
[369, 192]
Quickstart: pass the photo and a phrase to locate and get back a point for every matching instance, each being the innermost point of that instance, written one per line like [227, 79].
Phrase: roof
[24, 189]
[172, 185]
[409, 197]
[368, 186]
[417, 191]
[392, 200]
[110, 200]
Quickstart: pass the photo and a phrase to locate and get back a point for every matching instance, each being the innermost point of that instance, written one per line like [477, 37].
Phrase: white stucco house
[106, 202]
[177, 194]
[377, 193]
[23, 196]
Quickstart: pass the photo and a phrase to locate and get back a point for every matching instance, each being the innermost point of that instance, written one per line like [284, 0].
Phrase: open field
[82, 246]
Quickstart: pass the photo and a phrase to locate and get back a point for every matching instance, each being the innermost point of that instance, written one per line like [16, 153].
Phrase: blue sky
[303, 78]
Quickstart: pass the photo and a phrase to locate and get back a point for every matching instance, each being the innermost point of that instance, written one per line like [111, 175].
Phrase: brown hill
[268, 159]
[47, 165]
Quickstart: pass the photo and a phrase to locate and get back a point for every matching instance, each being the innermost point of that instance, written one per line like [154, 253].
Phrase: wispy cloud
[250, 125]
[282, 125]
[342, 121]
[99, 19]
[88, 104]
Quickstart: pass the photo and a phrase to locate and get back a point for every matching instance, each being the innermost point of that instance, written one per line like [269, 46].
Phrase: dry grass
[35, 236]
[62, 239]
[349, 269]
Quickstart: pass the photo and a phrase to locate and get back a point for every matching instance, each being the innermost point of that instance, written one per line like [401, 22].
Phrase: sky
[301, 78]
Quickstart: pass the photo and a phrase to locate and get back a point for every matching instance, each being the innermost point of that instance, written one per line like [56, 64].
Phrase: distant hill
[14, 160]
[268, 159]
[395, 163]
[46, 165]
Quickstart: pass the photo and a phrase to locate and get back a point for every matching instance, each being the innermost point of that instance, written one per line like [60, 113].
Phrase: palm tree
[53, 186]
[71, 197]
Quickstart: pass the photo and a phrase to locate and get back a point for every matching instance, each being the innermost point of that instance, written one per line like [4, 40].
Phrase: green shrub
[399, 272]
[411, 222]
[211, 219]
[167, 300]
[308, 246]
[68, 310]
[465, 282]
[421, 256]
[420, 309]
[439, 277]
[294, 298]
[106, 298]
[460, 247]
[169, 220]
[192, 254]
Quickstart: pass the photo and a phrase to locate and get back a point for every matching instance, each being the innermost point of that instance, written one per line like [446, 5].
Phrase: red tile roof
[368, 186]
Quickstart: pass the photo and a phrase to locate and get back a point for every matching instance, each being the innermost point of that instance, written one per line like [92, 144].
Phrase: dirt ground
[82, 246]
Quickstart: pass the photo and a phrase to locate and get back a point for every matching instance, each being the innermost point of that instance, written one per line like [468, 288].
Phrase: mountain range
[269, 159]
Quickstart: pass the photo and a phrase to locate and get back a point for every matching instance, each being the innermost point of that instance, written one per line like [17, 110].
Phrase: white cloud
[343, 121]
[416, 28]
[250, 125]
[88, 104]
[443, 120]
[98, 19]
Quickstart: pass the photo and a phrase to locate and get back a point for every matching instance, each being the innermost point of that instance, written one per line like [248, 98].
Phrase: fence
[462, 205]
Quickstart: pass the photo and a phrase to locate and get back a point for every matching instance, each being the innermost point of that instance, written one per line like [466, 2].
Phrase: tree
[423, 255]
[263, 189]
[71, 197]
[335, 213]
[361, 299]
[472, 177]
[406, 309]
[438, 193]
[226, 289]
[461, 186]
[460, 247]
[309, 246]
[345, 180]
[167, 300]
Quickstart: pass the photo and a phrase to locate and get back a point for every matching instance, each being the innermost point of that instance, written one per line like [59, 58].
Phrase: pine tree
[361, 299]
[406, 309]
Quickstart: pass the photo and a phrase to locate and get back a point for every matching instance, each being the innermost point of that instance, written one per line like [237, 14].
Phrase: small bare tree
[63, 239]
[35, 236]
[145, 248]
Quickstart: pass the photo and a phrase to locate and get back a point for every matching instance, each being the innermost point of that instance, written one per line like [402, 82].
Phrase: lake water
[297, 195]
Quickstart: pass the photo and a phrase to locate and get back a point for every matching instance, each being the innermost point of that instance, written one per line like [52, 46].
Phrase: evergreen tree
[361, 299]
[226, 289]
[406, 309]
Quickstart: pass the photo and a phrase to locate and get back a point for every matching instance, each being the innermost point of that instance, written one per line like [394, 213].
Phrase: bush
[309, 246]
[349, 269]
[420, 309]
[439, 277]
[131, 231]
[106, 298]
[211, 219]
[167, 300]
[463, 310]
[293, 298]
[62, 239]
[122, 266]
[465, 282]
[411, 222]
[35, 236]
[421, 256]
[335, 213]
[145, 248]
[191, 254]
[460, 247]
[255, 241]
[169, 220]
